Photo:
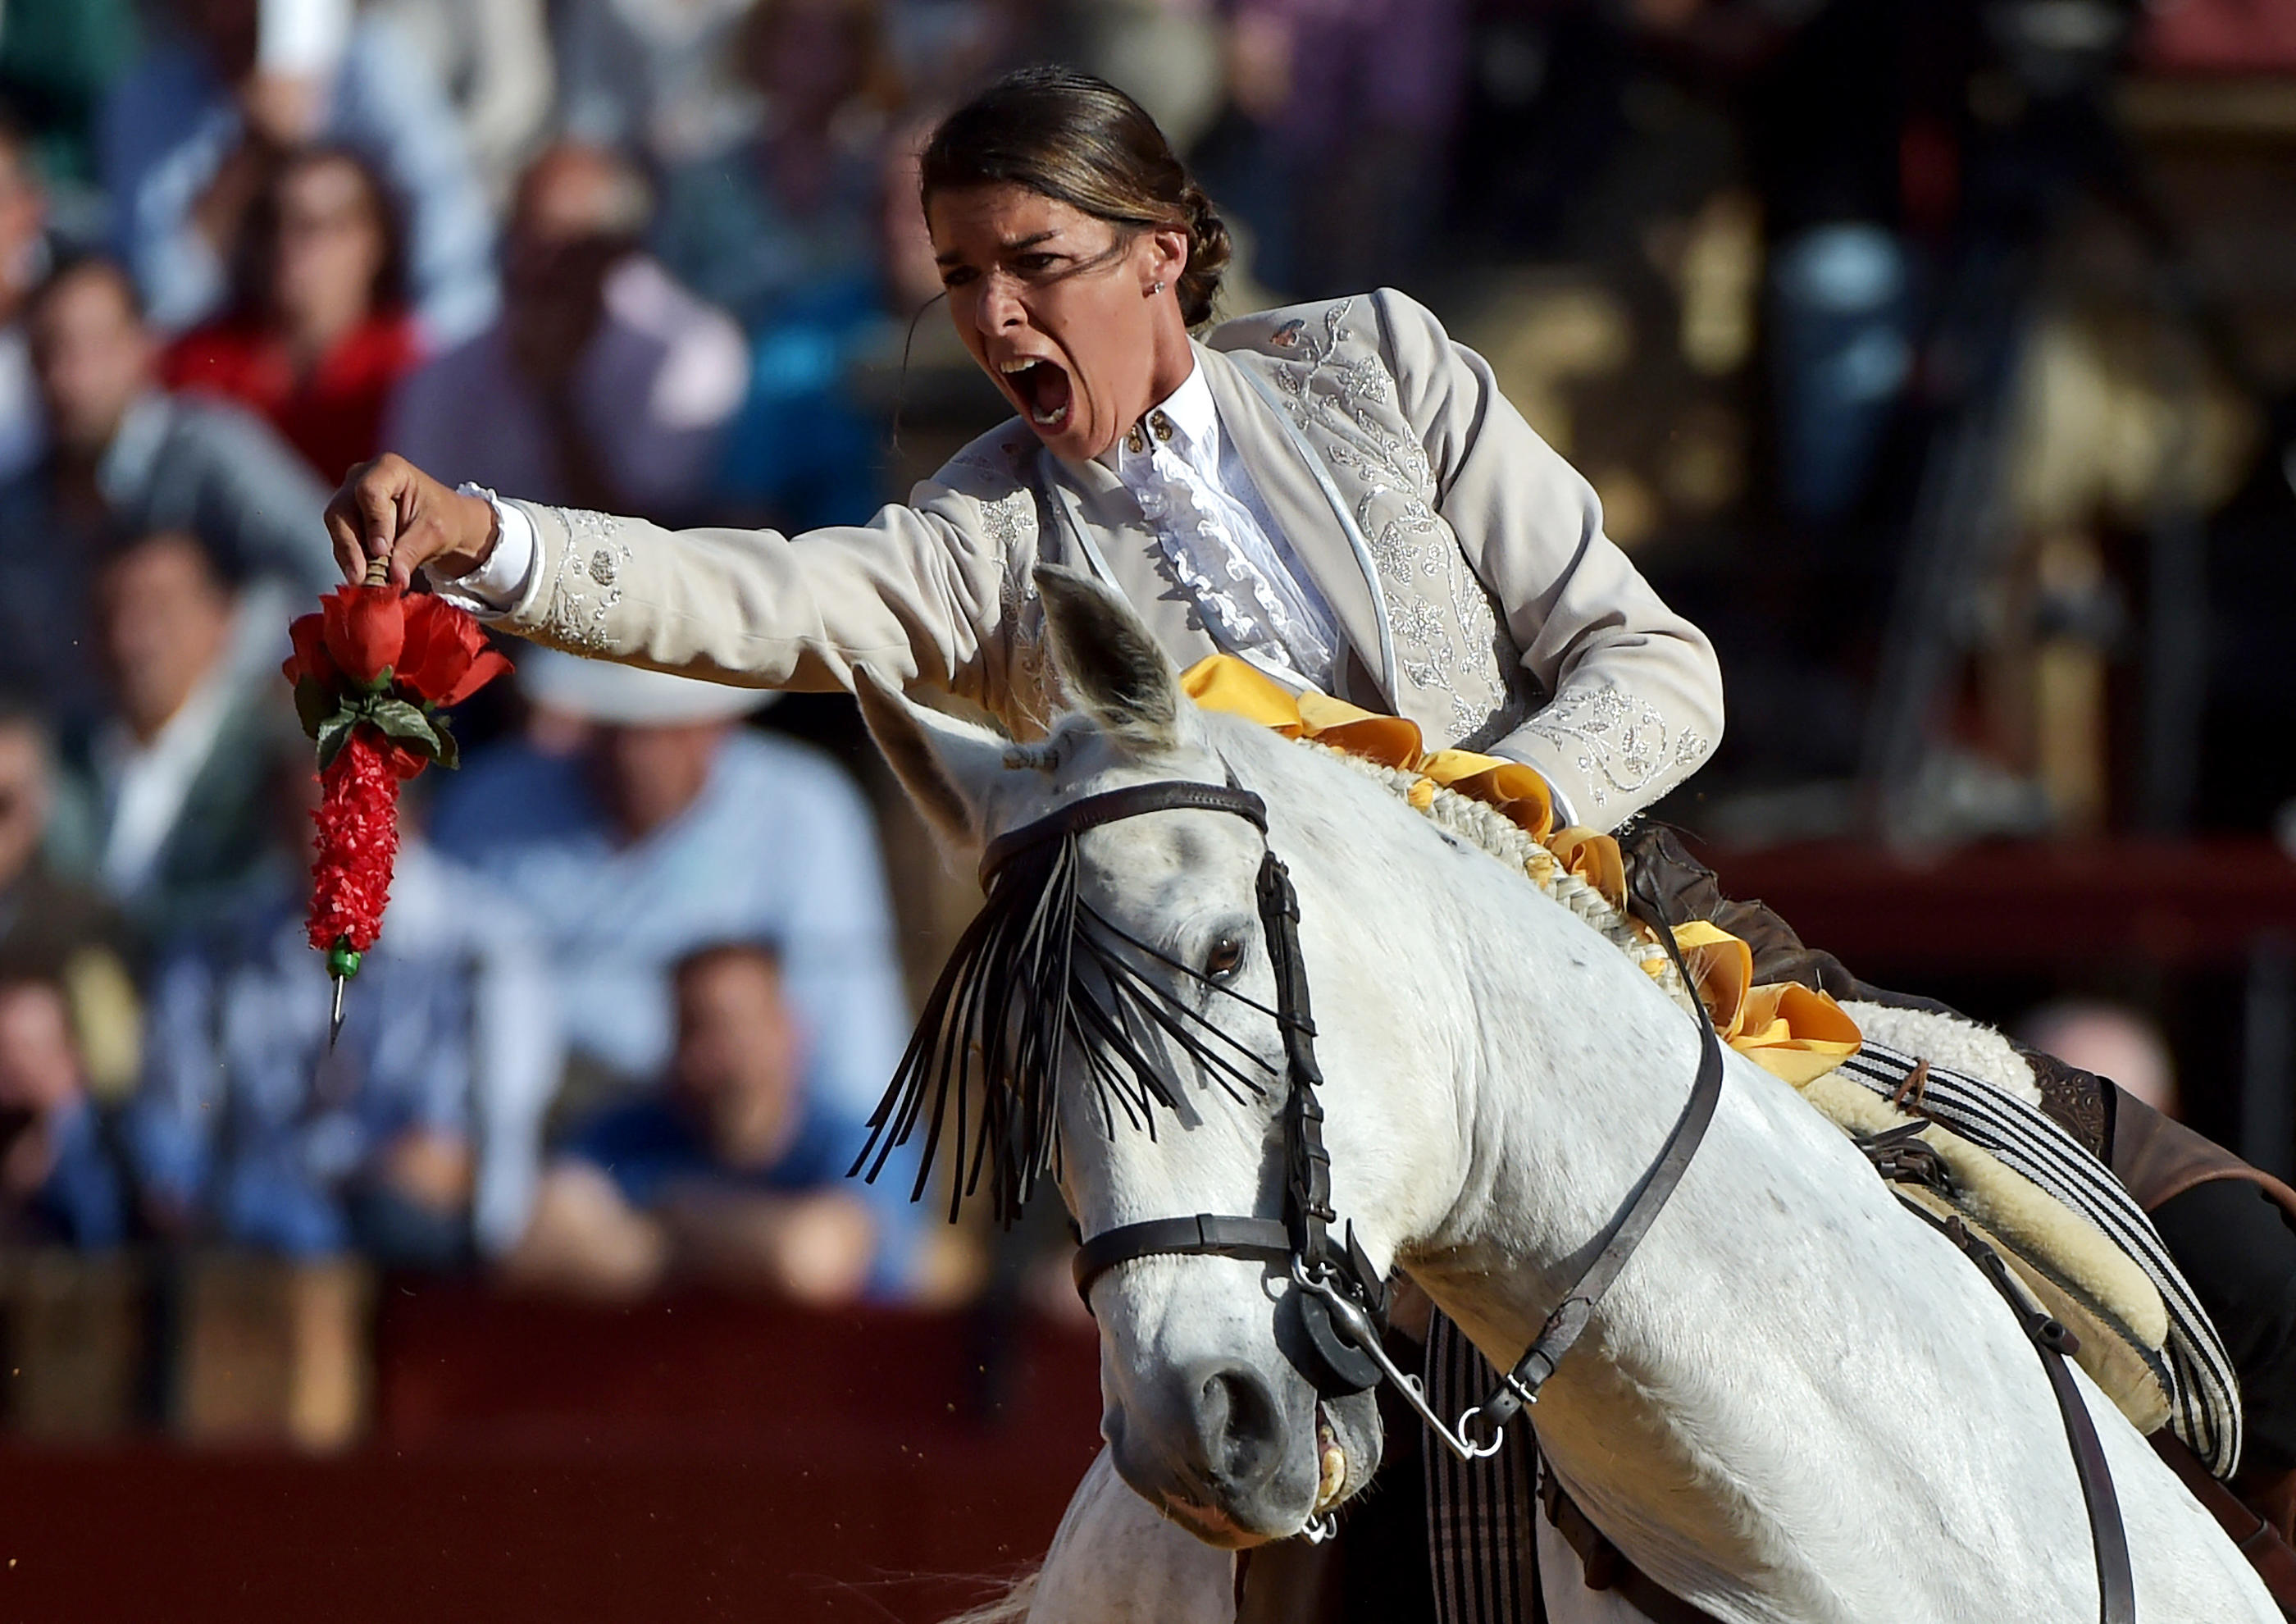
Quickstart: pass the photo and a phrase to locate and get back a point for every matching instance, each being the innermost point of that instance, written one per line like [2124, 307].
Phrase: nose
[1239, 1432]
[1000, 306]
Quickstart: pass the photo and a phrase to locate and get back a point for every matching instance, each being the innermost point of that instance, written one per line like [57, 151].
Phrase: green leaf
[404, 723]
[313, 705]
[381, 683]
[333, 733]
[449, 753]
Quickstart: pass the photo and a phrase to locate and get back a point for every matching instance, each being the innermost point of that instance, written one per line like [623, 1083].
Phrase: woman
[319, 333]
[1336, 492]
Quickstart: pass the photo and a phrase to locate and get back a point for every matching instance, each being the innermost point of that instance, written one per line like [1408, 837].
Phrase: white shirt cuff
[499, 585]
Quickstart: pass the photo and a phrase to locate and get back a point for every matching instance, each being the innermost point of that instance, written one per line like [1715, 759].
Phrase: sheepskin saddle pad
[2075, 1237]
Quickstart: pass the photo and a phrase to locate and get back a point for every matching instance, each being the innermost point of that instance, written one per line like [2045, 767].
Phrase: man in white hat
[638, 821]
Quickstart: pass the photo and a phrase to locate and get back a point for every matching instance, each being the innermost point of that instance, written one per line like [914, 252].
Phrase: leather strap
[1206, 1235]
[2116, 1583]
[1113, 806]
[1563, 1327]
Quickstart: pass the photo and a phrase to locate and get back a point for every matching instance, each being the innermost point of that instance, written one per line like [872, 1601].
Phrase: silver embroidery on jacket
[1449, 642]
[587, 584]
[1620, 743]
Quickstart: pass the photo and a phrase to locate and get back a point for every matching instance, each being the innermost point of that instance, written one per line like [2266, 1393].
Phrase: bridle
[1340, 1300]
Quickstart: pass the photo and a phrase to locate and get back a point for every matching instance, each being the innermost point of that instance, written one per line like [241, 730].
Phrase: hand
[391, 509]
[281, 109]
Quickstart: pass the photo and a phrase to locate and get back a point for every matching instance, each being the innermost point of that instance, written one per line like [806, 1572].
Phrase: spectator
[59, 1182]
[493, 57]
[790, 212]
[319, 333]
[191, 133]
[410, 1137]
[2110, 1041]
[23, 260]
[181, 822]
[653, 77]
[808, 447]
[604, 385]
[663, 828]
[732, 1172]
[52, 929]
[126, 457]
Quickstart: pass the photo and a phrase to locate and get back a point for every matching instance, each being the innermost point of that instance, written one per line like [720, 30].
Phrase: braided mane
[1490, 832]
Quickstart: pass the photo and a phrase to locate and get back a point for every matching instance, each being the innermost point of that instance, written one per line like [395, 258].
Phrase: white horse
[1798, 1401]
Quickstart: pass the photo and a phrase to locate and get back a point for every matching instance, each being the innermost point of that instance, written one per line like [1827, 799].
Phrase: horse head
[1122, 998]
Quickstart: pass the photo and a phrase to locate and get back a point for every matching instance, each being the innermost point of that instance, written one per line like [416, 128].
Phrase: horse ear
[947, 766]
[1108, 661]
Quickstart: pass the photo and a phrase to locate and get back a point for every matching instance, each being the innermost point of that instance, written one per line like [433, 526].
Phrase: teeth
[1331, 1479]
[1009, 367]
[1051, 417]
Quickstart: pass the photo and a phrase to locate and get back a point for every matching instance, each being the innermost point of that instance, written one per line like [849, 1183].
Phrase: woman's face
[1063, 311]
[329, 248]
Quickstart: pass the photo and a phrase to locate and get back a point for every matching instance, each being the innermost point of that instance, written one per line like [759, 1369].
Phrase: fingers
[389, 509]
[377, 495]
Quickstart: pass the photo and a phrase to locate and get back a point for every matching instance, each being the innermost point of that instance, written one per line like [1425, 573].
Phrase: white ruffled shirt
[1219, 545]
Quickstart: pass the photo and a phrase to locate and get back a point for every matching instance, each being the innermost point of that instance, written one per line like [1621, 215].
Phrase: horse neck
[1544, 1066]
[1560, 1068]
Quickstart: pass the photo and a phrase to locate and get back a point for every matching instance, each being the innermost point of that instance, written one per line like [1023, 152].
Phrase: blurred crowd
[641, 980]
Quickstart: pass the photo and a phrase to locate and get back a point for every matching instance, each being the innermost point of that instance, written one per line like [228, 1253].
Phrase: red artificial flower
[364, 630]
[310, 658]
[374, 738]
[358, 844]
[445, 659]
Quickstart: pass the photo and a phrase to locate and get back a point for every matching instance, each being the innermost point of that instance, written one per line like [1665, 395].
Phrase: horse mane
[1038, 973]
[1489, 831]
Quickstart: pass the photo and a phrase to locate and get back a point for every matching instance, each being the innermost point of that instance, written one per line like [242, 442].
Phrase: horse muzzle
[1238, 1457]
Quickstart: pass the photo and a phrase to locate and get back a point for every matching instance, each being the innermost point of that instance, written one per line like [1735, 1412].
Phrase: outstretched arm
[917, 593]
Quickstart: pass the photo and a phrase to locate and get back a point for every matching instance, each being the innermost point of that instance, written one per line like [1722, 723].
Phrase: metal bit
[335, 1022]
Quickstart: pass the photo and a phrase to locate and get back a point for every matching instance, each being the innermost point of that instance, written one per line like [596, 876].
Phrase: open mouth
[1042, 389]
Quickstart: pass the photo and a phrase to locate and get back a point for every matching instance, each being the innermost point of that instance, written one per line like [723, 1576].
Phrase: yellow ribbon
[1796, 1032]
[1222, 682]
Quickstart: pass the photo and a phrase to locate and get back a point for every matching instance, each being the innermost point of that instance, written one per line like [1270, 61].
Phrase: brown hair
[259, 241]
[1080, 141]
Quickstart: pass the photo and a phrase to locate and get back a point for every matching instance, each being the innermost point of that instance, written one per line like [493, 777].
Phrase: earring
[1159, 288]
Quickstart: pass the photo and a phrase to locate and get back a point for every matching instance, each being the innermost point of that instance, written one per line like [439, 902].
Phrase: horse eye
[1226, 957]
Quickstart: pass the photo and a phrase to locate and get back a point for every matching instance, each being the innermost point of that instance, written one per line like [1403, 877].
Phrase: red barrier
[694, 1459]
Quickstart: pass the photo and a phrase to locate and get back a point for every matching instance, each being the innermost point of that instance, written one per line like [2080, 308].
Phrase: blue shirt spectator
[802, 453]
[249, 1126]
[83, 1201]
[58, 1178]
[185, 126]
[125, 459]
[665, 828]
[733, 1171]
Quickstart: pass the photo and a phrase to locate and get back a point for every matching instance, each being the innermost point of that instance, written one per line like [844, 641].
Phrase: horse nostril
[1241, 1428]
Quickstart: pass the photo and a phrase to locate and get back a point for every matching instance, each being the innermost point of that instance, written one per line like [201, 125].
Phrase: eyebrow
[1014, 247]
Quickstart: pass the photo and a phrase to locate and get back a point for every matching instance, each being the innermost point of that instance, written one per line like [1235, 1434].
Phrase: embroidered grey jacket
[1464, 558]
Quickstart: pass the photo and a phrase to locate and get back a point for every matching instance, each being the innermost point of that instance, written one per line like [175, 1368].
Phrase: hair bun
[1209, 249]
